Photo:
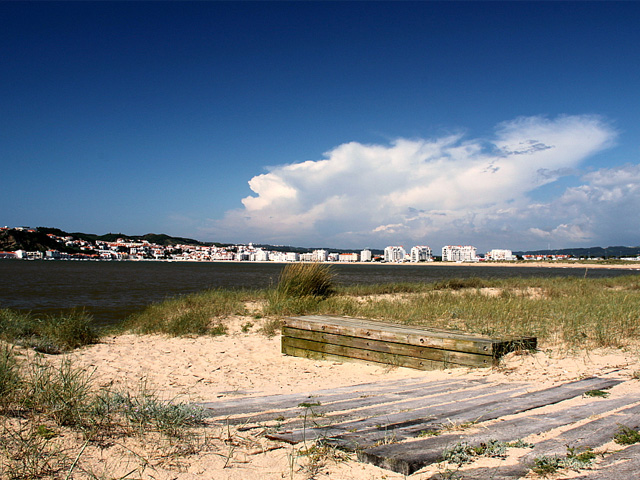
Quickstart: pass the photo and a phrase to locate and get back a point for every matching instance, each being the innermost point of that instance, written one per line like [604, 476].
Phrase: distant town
[64, 246]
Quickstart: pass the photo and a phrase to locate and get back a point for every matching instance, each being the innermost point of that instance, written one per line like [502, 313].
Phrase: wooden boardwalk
[405, 425]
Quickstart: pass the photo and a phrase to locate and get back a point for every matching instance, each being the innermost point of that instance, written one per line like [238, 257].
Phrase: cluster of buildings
[127, 249]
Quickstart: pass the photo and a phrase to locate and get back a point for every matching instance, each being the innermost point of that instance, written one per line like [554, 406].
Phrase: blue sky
[360, 124]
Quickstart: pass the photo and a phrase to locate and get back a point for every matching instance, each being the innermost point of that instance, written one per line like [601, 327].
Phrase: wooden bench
[327, 337]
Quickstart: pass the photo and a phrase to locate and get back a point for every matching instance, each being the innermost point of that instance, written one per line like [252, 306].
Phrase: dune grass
[42, 403]
[300, 289]
[196, 314]
[575, 312]
[49, 333]
[568, 311]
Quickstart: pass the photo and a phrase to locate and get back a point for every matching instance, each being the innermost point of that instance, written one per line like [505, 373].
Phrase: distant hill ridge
[37, 239]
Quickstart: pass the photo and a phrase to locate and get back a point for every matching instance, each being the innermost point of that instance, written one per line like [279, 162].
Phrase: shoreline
[518, 263]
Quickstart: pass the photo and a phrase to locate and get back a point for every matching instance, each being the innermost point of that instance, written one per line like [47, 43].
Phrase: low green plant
[575, 459]
[547, 465]
[596, 393]
[626, 436]
[462, 452]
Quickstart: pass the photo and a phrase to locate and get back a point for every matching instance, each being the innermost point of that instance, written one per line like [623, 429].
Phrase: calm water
[112, 290]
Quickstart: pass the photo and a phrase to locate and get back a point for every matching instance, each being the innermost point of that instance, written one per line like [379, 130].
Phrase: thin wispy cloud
[451, 189]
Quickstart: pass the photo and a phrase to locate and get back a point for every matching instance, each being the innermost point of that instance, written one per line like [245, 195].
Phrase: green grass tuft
[50, 334]
[306, 280]
[190, 315]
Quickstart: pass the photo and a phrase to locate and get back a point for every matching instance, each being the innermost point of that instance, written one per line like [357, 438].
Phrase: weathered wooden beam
[398, 356]
[463, 407]
[410, 457]
[390, 332]
[395, 348]
[621, 465]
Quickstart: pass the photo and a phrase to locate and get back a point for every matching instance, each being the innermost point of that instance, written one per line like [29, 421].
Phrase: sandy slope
[242, 364]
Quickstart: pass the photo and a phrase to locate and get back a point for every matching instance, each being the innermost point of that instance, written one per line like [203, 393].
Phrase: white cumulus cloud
[436, 191]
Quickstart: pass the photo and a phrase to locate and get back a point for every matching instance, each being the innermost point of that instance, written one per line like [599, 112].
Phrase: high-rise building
[394, 254]
[421, 253]
[459, 253]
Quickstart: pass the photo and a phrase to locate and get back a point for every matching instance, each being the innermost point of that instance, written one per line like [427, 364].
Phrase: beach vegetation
[50, 334]
[575, 459]
[300, 289]
[569, 312]
[626, 436]
[45, 403]
[306, 280]
[190, 315]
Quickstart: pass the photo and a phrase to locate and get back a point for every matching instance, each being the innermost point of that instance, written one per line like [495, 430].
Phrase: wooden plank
[621, 465]
[410, 423]
[429, 361]
[365, 356]
[368, 416]
[428, 353]
[592, 434]
[349, 406]
[410, 457]
[376, 419]
[225, 407]
[392, 332]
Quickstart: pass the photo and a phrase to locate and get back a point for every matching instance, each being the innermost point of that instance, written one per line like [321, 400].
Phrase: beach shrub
[15, 325]
[300, 289]
[71, 330]
[306, 280]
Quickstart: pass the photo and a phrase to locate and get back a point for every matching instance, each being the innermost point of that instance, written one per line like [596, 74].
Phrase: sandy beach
[241, 364]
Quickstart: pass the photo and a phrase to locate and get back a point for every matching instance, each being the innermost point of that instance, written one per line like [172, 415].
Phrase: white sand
[241, 364]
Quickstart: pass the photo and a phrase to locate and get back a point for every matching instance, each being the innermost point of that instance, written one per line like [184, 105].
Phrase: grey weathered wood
[375, 415]
[408, 458]
[411, 335]
[349, 405]
[621, 465]
[380, 420]
[407, 424]
[316, 341]
[261, 403]
[479, 410]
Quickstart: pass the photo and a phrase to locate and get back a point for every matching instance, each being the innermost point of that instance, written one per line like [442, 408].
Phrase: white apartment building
[348, 257]
[261, 256]
[291, 257]
[394, 254]
[459, 253]
[421, 253]
[319, 256]
[500, 254]
[365, 255]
